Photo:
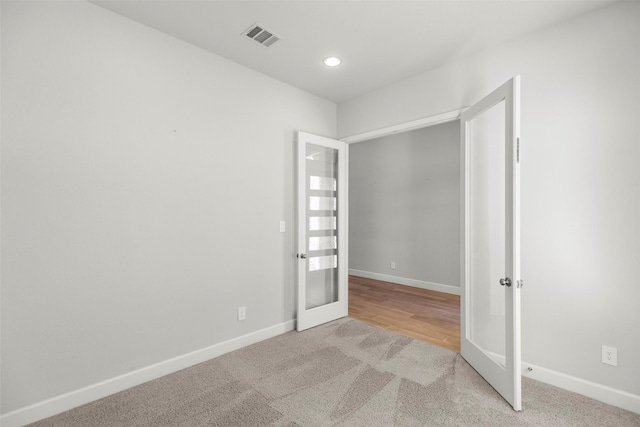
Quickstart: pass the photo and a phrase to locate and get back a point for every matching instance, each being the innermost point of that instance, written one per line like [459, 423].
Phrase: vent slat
[260, 38]
[270, 41]
[251, 34]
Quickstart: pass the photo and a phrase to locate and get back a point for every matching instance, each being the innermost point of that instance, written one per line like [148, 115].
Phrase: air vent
[260, 35]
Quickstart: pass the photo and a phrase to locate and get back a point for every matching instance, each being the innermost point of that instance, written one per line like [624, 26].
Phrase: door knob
[302, 256]
[505, 282]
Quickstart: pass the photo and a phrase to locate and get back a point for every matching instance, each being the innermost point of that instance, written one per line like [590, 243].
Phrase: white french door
[322, 166]
[491, 282]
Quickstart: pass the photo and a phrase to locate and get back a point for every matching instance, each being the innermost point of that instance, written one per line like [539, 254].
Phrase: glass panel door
[490, 291]
[322, 271]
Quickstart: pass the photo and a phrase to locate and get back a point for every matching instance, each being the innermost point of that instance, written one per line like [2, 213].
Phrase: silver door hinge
[518, 150]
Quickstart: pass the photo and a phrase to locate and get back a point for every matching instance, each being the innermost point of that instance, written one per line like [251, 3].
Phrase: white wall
[143, 181]
[580, 175]
[404, 206]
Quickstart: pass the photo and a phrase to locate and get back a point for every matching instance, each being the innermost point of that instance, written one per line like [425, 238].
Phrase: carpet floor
[343, 373]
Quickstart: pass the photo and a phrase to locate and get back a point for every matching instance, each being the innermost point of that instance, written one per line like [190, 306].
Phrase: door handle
[505, 282]
[301, 256]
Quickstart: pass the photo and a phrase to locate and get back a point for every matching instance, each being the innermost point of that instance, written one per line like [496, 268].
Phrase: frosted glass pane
[322, 183]
[323, 262]
[487, 232]
[317, 223]
[322, 243]
[322, 203]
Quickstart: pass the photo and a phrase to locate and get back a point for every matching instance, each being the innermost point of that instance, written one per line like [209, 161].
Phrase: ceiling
[380, 42]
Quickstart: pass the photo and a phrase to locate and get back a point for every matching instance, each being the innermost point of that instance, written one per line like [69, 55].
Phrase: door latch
[301, 256]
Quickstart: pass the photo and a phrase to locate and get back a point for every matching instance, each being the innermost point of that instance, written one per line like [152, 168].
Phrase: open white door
[322, 230]
[491, 282]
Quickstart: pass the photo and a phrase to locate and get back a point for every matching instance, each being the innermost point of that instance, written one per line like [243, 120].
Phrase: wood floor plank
[422, 314]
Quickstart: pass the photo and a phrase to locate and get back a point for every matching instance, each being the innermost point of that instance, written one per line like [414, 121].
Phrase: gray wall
[135, 180]
[143, 181]
[404, 205]
[580, 175]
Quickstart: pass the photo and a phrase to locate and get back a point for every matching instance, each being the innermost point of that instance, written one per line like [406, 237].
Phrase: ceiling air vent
[260, 35]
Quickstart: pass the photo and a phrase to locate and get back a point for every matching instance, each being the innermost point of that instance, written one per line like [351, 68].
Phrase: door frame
[424, 122]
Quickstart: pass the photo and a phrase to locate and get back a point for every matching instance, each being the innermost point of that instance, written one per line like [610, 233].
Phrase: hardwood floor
[422, 314]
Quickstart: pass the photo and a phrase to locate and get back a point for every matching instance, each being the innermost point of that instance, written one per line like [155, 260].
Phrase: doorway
[404, 233]
[490, 126]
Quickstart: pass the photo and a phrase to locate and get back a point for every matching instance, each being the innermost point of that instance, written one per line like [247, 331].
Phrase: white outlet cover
[282, 226]
[609, 355]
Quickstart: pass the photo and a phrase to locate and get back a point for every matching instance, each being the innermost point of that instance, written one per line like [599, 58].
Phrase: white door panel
[490, 297]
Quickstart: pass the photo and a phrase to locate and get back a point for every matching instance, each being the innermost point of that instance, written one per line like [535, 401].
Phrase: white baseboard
[409, 282]
[603, 393]
[58, 404]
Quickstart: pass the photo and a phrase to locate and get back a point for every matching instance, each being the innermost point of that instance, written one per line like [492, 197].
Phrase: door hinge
[517, 150]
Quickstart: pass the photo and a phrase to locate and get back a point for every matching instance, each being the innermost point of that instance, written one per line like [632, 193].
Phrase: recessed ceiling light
[332, 61]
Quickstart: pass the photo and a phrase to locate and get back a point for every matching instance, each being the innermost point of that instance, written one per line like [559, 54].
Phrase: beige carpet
[343, 373]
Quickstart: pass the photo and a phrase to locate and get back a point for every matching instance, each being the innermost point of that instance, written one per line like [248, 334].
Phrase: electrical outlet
[242, 313]
[282, 226]
[393, 265]
[609, 355]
